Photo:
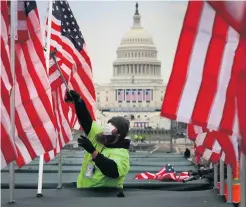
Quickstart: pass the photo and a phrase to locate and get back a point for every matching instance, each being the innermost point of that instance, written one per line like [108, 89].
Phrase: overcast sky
[103, 24]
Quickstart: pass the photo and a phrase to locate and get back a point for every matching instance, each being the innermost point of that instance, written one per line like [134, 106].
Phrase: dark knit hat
[122, 124]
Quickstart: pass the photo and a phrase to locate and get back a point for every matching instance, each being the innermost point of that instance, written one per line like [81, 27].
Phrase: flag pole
[47, 47]
[222, 178]
[13, 34]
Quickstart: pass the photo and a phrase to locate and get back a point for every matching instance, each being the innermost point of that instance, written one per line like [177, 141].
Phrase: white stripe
[23, 150]
[59, 130]
[200, 139]
[207, 154]
[36, 25]
[37, 64]
[34, 96]
[26, 124]
[223, 156]
[84, 64]
[216, 147]
[4, 33]
[84, 90]
[224, 78]
[3, 161]
[64, 122]
[196, 65]
[22, 25]
[4, 77]
[54, 76]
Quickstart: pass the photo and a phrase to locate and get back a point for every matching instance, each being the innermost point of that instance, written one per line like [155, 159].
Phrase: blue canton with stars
[29, 6]
[69, 27]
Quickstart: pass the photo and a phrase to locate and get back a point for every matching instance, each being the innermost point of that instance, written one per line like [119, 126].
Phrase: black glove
[72, 96]
[86, 144]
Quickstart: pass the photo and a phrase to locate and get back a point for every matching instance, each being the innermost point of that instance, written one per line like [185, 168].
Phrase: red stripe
[241, 91]
[28, 105]
[181, 62]
[227, 120]
[211, 71]
[81, 71]
[7, 146]
[36, 41]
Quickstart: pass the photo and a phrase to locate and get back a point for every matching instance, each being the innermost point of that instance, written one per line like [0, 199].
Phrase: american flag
[148, 95]
[67, 38]
[22, 31]
[134, 95]
[34, 118]
[140, 95]
[128, 95]
[214, 145]
[72, 58]
[8, 150]
[163, 174]
[120, 95]
[202, 87]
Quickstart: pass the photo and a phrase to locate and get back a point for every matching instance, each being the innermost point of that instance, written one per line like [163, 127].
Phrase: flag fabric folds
[203, 86]
[214, 145]
[75, 65]
[8, 150]
[34, 118]
[72, 54]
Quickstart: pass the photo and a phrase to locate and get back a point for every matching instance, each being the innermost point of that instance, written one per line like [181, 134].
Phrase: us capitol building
[136, 89]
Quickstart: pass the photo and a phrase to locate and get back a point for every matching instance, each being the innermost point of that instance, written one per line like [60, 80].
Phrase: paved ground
[136, 198]
[138, 193]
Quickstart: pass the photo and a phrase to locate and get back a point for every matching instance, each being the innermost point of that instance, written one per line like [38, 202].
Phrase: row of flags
[134, 95]
[207, 85]
[43, 121]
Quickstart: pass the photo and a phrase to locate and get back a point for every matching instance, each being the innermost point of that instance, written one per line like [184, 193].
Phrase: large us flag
[148, 95]
[75, 63]
[202, 85]
[140, 95]
[34, 118]
[120, 93]
[134, 95]
[128, 95]
[67, 37]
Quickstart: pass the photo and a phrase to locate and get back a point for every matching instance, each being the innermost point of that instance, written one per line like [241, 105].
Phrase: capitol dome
[137, 56]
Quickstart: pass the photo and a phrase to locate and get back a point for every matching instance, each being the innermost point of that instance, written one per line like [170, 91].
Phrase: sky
[104, 23]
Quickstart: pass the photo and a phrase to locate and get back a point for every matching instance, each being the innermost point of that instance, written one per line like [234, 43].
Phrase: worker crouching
[106, 161]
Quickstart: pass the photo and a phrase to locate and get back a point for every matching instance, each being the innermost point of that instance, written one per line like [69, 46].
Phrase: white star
[79, 43]
[64, 30]
[69, 30]
[73, 23]
[69, 9]
[71, 15]
[61, 2]
[67, 23]
[75, 30]
[66, 2]
[77, 37]
[27, 3]
[65, 16]
[57, 8]
[63, 9]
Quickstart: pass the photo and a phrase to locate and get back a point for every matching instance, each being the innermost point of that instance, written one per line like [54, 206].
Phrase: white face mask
[109, 135]
[109, 129]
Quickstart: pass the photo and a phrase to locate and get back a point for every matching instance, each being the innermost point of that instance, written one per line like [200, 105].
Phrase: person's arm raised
[82, 112]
